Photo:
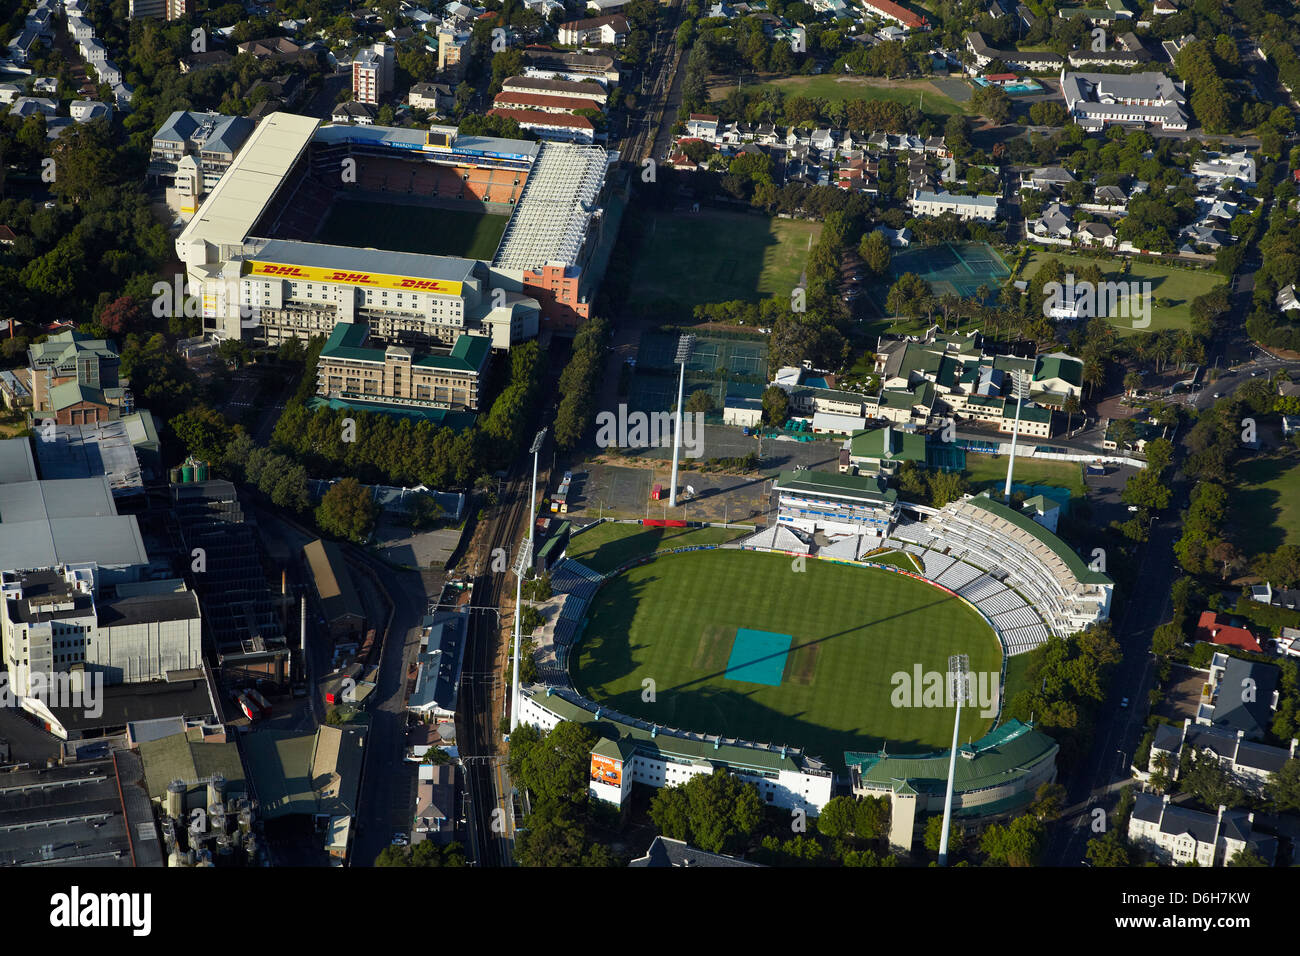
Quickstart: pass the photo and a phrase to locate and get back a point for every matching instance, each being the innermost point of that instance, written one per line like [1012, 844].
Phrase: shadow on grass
[607, 655]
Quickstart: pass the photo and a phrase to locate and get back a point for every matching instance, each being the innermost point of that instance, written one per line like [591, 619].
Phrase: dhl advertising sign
[371, 280]
[607, 770]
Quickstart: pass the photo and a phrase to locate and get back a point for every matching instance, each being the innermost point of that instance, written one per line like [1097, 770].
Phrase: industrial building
[241, 614]
[345, 617]
[442, 651]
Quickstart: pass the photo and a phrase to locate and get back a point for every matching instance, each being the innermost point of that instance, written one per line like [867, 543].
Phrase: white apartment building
[925, 203]
[373, 73]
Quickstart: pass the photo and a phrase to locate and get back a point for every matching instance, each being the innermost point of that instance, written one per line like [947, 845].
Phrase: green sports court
[951, 268]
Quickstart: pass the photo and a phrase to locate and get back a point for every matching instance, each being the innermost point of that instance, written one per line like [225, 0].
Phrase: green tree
[348, 511]
[700, 400]
[934, 834]
[1018, 844]
[1283, 788]
[715, 812]
[1109, 849]
[776, 406]
[875, 253]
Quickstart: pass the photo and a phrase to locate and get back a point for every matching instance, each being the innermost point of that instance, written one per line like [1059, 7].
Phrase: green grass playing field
[990, 472]
[674, 620]
[1179, 286]
[1266, 503]
[610, 545]
[688, 259]
[422, 229]
[925, 94]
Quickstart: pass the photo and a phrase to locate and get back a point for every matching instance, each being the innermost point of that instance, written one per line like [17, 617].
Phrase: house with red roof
[1210, 629]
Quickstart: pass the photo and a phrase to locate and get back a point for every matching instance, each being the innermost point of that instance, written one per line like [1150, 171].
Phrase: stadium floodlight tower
[958, 681]
[685, 345]
[1018, 383]
[525, 560]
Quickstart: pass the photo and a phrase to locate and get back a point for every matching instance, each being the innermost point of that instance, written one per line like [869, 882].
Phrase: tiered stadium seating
[1004, 600]
[935, 563]
[1022, 639]
[958, 575]
[1019, 617]
[981, 588]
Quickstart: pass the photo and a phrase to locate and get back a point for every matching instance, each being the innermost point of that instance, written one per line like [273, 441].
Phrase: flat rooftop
[347, 258]
[92, 451]
[44, 523]
[232, 208]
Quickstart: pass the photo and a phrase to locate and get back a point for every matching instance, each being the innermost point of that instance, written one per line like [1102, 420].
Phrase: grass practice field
[1179, 286]
[426, 230]
[690, 258]
[990, 471]
[612, 544]
[676, 620]
[924, 94]
[1266, 503]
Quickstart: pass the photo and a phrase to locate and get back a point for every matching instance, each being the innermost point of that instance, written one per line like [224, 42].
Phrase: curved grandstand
[1022, 579]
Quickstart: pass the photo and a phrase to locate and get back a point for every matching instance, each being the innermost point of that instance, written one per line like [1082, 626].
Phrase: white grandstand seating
[958, 575]
[1031, 565]
[1022, 639]
[935, 563]
[1004, 600]
[845, 549]
[981, 588]
[1018, 617]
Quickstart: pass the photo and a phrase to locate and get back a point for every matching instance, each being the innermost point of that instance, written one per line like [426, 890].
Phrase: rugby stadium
[421, 235]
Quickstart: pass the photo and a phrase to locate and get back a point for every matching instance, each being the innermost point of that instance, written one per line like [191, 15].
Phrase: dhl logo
[273, 270]
[431, 284]
[361, 278]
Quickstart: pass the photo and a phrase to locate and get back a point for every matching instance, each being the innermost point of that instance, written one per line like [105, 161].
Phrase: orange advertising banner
[607, 770]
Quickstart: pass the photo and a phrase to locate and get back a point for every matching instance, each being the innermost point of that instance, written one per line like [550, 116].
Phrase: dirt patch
[801, 664]
[714, 649]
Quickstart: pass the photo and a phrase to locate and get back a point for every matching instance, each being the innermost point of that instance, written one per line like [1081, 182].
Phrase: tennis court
[953, 268]
[654, 384]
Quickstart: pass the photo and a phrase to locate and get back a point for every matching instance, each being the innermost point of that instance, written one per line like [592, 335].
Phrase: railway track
[490, 836]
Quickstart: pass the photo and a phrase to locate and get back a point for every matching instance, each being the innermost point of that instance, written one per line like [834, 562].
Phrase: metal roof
[556, 207]
[444, 268]
[247, 186]
[16, 463]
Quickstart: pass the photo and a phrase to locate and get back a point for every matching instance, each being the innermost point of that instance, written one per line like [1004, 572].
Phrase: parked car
[401, 839]
[1124, 702]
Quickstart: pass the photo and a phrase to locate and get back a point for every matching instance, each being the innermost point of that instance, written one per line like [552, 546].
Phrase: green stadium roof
[1005, 753]
[1062, 550]
[888, 444]
[1058, 365]
[630, 737]
[347, 341]
[863, 487]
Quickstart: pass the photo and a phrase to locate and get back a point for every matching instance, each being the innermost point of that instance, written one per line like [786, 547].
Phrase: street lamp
[685, 345]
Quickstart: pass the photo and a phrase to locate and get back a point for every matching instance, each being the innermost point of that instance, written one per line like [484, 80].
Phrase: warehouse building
[344, 614]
